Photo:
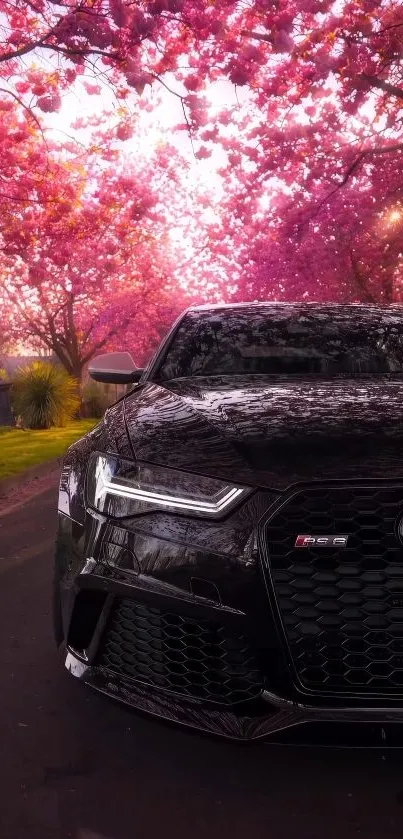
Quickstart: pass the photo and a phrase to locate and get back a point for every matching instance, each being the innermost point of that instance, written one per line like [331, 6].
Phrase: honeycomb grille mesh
[200, 660]
[342, 609]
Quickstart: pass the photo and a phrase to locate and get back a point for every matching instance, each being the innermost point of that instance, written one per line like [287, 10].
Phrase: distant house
[6, 415]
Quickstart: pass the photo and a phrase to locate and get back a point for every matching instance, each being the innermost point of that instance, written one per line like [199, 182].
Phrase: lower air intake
[199, 660]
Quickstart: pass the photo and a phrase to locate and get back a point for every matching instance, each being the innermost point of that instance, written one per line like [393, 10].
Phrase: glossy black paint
[271, 433]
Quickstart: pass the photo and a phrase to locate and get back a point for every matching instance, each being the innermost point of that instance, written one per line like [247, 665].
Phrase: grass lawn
[22, 449]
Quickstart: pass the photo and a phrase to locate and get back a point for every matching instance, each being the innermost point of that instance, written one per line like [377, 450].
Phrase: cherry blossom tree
[89, 264]
[312, 143]
[328, 58]
[347, 246]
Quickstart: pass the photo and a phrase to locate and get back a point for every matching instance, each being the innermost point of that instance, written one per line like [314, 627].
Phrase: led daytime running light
[170, 500]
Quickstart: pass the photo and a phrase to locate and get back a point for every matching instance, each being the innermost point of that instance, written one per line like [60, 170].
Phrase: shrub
[44, 395]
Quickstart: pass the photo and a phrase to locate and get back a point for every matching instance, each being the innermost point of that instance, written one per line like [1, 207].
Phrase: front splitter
[281, 714]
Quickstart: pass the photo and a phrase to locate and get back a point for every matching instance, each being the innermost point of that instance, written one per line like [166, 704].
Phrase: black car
[230, 542]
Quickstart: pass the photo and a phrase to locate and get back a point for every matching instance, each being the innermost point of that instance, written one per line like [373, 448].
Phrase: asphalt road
[73, 764]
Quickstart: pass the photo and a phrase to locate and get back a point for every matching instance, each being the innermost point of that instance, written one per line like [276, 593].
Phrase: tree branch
[72, 332]
[352, 168]
[383, 85]
[33, 45]
[34, 325]
[26, 108]
[57, 346]
[83, 52]
[257, 36]
[112, 332]
[190, 259]
[41, 42]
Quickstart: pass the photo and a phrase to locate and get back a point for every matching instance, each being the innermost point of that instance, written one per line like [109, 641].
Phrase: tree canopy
[311, 202]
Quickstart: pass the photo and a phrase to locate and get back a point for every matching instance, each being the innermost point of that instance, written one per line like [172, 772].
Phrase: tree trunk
[77, 373]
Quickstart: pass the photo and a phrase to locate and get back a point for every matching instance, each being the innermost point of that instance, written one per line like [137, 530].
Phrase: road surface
[73, 764]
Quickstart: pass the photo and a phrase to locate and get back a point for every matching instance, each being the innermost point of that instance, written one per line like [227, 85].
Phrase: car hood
[271, 432]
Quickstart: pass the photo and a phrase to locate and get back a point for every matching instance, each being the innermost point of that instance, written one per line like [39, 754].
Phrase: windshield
[237, 343]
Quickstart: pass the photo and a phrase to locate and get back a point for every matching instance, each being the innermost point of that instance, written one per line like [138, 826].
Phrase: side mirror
[115, 368]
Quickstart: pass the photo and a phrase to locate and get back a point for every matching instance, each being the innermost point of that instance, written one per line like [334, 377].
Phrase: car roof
[392, 312]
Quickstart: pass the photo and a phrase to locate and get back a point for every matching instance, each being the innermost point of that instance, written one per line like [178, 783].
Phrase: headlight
[120, 488]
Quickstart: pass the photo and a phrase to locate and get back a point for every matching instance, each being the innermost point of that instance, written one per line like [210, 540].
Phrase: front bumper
[345, 726]
[103, 564]
[268, 716]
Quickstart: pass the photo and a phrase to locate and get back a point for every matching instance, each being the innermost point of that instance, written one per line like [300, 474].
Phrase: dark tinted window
[244, 342]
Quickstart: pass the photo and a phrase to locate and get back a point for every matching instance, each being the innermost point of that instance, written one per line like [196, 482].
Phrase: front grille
[200, 660]
[341, 609]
